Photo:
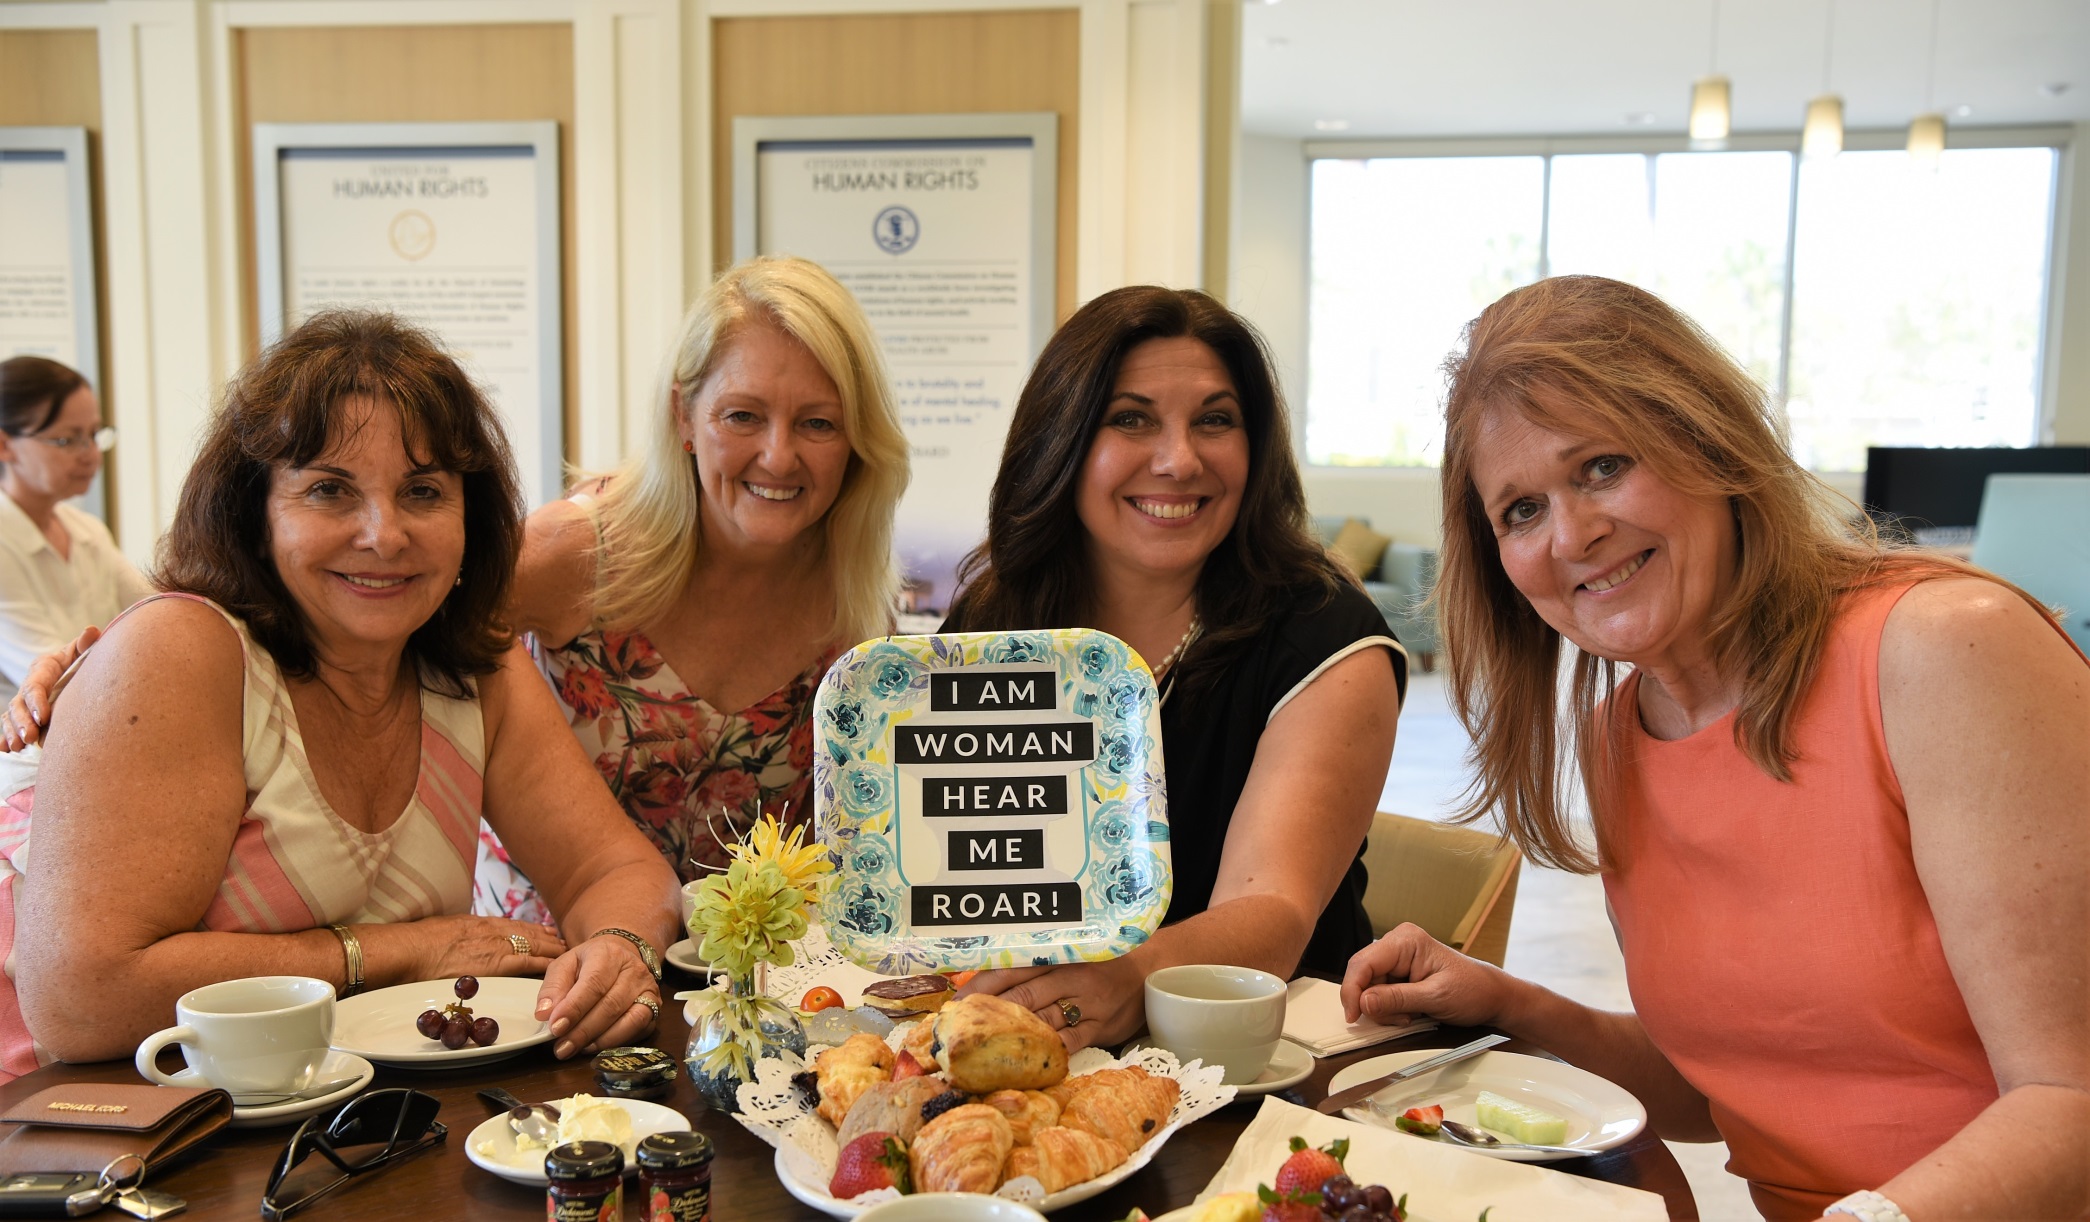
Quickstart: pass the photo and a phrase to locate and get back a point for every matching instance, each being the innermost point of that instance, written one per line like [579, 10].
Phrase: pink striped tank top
[295, 864]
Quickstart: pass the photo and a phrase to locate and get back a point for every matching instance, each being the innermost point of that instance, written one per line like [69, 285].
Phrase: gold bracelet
[352, 956]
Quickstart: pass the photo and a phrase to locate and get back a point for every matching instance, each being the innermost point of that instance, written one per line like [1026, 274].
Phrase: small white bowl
[951, 1207]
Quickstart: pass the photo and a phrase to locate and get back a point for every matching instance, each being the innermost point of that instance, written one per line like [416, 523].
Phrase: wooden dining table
[226, 1179]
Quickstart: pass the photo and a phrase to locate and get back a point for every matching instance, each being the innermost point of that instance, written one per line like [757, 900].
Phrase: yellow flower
[805, 866]
[748, 915]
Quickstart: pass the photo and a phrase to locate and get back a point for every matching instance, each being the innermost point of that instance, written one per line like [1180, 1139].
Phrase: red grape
[467, 987]
[430, 1024]
[485, 1031]
[456, 1033]
[1380, 1198]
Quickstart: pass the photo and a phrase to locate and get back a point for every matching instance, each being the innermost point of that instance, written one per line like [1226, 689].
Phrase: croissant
[1027, 1110]
[1063, 1092]
[987, 1043]
[846, 1072]
[1061, 1158]
[962, 1150]
[1127, 1111]
[890, 1107]
[919, 1039]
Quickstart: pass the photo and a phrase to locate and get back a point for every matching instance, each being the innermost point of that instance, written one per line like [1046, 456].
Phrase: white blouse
[45, 598]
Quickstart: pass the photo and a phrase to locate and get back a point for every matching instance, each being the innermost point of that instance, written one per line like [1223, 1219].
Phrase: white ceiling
[1401, 68]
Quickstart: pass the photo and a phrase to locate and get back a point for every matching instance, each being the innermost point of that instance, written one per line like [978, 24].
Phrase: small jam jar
[634, 1073]
[675, 1177]
[586, 1182]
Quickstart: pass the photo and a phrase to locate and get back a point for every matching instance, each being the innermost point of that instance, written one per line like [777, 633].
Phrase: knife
[1335, 1103]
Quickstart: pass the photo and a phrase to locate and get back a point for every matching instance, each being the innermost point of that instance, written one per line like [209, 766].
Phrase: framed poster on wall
[48, 306]
[452, 225]
[943, 226]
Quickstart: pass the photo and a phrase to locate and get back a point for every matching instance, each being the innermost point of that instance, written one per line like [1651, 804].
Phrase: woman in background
[1148, 489]
[686, 606]
[59, 569]
[1839, 798]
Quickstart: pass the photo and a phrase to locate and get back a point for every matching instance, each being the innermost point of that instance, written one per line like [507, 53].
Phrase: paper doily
[778, 1112]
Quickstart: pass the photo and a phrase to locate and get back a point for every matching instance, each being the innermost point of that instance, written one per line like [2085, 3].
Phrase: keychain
[128, 1193]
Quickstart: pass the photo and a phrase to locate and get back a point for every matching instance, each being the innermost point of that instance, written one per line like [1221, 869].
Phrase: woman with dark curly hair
[1148, 489]
[280, 765]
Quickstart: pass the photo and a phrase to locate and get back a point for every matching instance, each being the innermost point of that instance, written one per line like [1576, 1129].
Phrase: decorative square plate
[991, 799]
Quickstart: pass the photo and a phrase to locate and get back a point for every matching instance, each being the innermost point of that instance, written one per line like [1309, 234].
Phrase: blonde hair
[648, 513]
[1597, 358]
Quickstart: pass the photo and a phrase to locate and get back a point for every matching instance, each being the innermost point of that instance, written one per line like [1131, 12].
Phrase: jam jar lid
[583, 1160]
[674, 1151]
[633, 1070]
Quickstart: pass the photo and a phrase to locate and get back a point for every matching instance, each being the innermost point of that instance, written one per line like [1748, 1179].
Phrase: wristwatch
[646, 951]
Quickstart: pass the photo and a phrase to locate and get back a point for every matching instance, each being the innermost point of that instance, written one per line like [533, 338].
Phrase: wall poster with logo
[47, 289]
[452, 225]
[943, 226]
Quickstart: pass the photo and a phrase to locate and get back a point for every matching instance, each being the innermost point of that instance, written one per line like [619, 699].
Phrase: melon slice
[1520, 1121]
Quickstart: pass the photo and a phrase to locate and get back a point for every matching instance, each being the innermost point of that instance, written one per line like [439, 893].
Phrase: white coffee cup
[1231, 1017]
[263, 1033]
[951, 1207]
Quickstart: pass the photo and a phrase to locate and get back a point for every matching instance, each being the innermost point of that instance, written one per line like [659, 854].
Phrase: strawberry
[1307, 1167]
[905, 1066]
[875, 1160]
[1422, 1121]
[1289, 1206]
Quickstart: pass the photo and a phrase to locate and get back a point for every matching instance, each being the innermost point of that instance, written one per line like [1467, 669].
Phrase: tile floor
[1559, 936]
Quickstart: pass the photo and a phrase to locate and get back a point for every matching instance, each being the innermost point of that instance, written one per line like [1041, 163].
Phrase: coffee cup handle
[149, 1051]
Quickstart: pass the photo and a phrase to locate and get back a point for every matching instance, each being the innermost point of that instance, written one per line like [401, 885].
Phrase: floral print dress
[691, 777]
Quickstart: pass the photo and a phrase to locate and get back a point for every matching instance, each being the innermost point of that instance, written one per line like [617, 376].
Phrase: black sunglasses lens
[362, 1136]
[381, 1119]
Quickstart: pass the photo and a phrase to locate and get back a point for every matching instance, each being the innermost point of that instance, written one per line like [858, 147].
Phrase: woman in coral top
[1838, 794]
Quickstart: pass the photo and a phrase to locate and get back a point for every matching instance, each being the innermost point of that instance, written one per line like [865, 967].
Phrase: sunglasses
[370, 1131]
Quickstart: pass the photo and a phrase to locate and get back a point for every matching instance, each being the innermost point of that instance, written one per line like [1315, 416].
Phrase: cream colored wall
[2069, 336]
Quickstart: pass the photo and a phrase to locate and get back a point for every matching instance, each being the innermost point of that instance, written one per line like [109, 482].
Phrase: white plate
[380, 1025]
[683, 954]
[646, 1120]
[1289, 1066]
[1599, 1114]
[816, 1196]
[333, 1065]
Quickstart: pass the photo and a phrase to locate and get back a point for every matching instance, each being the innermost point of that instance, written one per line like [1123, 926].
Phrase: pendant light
[1823, 134]
[1927, 130]
[1712, 114]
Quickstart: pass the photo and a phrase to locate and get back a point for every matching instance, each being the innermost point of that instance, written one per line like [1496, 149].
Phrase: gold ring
[650, 1004]
[519, 944]
[1070, 1012]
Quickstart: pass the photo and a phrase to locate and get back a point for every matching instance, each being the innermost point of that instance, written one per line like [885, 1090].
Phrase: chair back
[1458, 884]
[2035, 530]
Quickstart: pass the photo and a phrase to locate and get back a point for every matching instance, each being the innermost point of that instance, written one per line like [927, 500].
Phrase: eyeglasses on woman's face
[103, 439]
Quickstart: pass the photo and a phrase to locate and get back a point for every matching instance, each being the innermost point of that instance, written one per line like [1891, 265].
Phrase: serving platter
[991, 799]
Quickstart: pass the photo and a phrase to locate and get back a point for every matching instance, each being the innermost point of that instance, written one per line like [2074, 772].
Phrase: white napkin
[1313, 1017]
[1443, 1183]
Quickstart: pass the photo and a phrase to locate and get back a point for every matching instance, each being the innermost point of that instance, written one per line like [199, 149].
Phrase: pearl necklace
[1175, 655]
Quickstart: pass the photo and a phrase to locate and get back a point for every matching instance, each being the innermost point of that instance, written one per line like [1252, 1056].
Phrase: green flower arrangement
[743, 918]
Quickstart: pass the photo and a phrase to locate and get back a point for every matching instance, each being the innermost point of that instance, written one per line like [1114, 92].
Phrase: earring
[689, 447]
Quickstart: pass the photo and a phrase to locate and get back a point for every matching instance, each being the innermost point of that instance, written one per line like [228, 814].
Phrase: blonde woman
[1839, 798]
[686, 606]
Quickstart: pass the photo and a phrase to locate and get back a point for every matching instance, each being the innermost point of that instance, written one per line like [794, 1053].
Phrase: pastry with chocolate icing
[908, 996]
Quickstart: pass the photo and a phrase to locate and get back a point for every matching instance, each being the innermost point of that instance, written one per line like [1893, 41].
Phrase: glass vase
[734, 1028]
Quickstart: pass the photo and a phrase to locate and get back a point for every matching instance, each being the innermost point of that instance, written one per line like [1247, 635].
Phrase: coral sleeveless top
[1778, 944]
[295, 864]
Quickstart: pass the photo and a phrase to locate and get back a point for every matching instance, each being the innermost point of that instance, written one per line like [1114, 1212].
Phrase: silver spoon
[274, 1097]
[1467, 1135]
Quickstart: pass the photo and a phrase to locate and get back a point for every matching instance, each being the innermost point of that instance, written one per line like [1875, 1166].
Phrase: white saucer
[646, 1120]
[380, 1025]
[333, 1065]
[1290, 1065]
[1600, 1114]
[683, 954]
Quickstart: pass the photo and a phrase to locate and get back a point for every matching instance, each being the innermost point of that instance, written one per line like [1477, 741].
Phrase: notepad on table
[1313, 1018]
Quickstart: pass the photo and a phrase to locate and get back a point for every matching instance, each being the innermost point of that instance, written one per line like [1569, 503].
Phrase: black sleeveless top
[1208, 740]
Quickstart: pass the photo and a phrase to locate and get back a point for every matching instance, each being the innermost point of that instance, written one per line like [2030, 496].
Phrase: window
[1881, 302]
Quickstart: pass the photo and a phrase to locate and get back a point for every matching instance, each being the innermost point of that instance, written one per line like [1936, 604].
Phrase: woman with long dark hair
[1148, 489]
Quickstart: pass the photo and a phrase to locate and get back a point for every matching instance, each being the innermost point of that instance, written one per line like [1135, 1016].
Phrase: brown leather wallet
[85, 1127]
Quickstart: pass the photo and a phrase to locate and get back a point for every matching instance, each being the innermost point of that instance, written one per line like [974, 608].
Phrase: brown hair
[1595, 357]
[33, 389]
[284, 410]
[1030, 572]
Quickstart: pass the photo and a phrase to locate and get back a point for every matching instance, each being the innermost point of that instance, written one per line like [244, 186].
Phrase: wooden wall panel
[410, 74]
[902, 63]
